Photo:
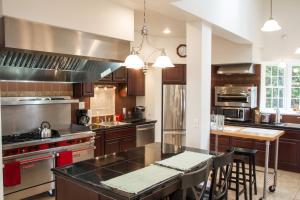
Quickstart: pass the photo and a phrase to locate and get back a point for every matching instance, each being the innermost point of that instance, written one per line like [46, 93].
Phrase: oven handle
[78, 150]
[228, 96]
[36, 159]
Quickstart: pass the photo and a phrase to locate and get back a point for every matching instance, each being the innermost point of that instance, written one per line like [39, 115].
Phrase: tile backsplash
[103, 102]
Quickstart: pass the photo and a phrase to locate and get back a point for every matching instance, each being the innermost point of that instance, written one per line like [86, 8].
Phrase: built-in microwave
[234, 113]
[236, 96]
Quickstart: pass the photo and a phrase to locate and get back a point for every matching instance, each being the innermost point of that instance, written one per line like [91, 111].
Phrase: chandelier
[134, 60]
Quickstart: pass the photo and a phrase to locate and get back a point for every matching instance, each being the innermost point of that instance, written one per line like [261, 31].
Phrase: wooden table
[266, 135]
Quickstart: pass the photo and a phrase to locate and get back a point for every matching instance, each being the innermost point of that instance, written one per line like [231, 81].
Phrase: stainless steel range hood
[33, 51]
[236, 68]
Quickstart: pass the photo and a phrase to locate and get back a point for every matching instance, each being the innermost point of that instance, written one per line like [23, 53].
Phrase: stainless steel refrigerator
[174, 114]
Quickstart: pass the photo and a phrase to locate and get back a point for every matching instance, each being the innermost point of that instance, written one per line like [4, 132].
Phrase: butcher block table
[266, 135]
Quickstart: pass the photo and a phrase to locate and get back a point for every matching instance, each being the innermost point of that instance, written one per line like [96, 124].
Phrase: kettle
[45, 130]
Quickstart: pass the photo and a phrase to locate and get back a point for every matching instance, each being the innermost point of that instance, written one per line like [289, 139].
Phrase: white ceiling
[162, 14]
[156, 23]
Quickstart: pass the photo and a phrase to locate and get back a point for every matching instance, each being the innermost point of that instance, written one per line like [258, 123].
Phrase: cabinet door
[88, 89]
[120, 75]
[83, 89]
[136, 83]
[288, 154]
[112, 146]
[174, 75]
[99, 144]
[127, 143]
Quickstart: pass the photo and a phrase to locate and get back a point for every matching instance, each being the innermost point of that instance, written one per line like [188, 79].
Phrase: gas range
[25, 137]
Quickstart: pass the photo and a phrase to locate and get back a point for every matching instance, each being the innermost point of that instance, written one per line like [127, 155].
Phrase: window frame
[287, 95]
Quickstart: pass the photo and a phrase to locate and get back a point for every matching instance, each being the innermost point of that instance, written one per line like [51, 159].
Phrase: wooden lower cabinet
[127, 143]
[67, 190]
[288, 155]
[117, 140]
[99, 144]
[112, 146]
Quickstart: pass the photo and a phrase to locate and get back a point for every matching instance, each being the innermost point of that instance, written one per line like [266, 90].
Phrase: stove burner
[24, 137]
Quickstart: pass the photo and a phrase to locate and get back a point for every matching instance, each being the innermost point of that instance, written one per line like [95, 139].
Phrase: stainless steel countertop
[64, 135]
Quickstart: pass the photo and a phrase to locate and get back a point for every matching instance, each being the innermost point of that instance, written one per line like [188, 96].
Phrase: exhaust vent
[239, 68]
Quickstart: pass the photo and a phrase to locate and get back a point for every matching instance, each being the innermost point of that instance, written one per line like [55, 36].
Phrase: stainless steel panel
[22, 118]
[174, 107]
[28, 35]
[84, 153]
[12, 101]
[34, 171]
[30, 192]
[38, 52]
[145, 134]
[177, 138]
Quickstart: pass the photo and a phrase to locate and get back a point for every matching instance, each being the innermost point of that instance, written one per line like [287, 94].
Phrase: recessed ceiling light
[297, 51]
[166, 31]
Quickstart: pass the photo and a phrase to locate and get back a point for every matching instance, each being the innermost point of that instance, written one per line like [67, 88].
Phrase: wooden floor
[288, 188]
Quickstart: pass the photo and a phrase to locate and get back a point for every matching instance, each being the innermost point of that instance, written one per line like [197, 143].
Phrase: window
[295, 100]
[274, 86]
[280, 87]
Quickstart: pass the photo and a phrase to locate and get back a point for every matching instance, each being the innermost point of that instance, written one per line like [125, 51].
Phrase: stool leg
[244, 181]
[254, 175]
[250, 178]
[237, 180]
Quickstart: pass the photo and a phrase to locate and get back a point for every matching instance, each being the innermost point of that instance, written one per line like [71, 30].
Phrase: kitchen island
[265, 135]
[83, 180]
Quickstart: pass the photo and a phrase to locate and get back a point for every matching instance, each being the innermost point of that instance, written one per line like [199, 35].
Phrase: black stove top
[25, 137]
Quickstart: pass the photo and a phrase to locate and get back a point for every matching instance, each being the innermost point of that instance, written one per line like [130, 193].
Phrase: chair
[193, 184]
[221, 174]
[192, 180]
[239, 181]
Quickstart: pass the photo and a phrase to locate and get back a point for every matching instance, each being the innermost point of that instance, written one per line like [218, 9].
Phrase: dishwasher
[145, 134]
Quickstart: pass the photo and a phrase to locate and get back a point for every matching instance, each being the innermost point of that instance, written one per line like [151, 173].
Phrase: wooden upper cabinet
[136, 83]
[83, 90]
[120, 75]
[174, 75]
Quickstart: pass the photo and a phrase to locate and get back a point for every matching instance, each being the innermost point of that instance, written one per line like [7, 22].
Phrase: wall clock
[181, 50]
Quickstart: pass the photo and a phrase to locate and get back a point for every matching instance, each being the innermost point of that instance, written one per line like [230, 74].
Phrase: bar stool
[248, 154]
[239, 181]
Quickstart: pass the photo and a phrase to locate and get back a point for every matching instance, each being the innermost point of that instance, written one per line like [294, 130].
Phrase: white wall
[199, 39]
[282, 44]
[225, 51]
[94, 16]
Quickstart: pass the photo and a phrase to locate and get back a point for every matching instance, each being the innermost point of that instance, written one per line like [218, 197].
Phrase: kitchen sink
[111, 124]
[291, 125]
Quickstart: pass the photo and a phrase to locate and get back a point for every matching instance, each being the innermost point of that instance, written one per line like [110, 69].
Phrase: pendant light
[271, 25]
[134, 61]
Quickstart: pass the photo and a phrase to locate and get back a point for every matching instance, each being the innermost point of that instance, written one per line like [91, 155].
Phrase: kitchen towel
[185, 161]
[12, 174]
[142, 179]
[64, 158]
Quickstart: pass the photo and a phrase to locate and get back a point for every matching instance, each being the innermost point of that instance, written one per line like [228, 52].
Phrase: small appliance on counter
[265, 118]
[139, 112]
[234, 113]
[82, 117]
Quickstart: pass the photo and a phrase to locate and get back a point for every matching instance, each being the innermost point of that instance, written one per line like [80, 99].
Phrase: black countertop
[281, 126]
[95, 127]
[90, 173]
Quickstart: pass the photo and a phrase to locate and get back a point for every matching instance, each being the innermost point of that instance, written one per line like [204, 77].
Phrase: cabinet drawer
[120, 133]
[112, 146]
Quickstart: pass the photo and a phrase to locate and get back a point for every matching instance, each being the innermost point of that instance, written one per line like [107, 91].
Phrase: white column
[199, 39]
